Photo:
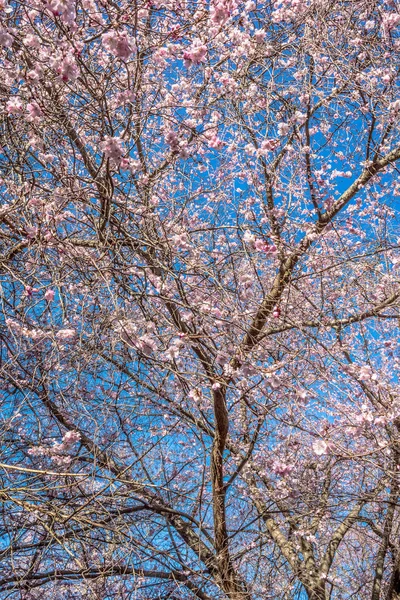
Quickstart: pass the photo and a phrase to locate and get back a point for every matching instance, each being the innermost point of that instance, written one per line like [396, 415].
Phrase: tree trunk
[393, 592]
[316, 592]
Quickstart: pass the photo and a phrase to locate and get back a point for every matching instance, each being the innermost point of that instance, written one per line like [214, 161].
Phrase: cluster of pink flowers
[35, 112]
[32, 41]
[365, 373]
[320, 447]
[276, 313]
[128, 333]
[14, 106]
[195, 54]
[29, 291]
[124, 97]
[267, 146]
[246, 280]
[49, 295]
[215, 142]
[281, 468]
[336, 173]
[174, 349]
[146, 344]
[365, 417]
[112, 148]
[118, 44]
[71, 437]
[249, 238]
[65, 9]
[66, 335]
[6, 39]
[283, 129]
[178, 146]
[17, 328]
[55, 453]
[67, 68]
[181, 241]
[220, 11]
[259, 36]
[390, 21]
[263, 246]
[288, 10]
[22, 331]
[258, 244]
[394, 106]
[171, 139]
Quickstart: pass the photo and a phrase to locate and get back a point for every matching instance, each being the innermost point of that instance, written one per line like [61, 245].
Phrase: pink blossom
[34, 110]
[71, 437]
[29, 291]
[269, 145]
[215, 142]
[66, 335]
[14, 106]
[13, 325]
[390, 21]
[395, 106]
[273, 381]
[67, 68]
[181, 241]
[32, 41]
[18, 329]
[37, 334]
[196, 54]
[249, 237]
[222, 358]
[263, 246]
[246, 280]
[64, 9]
[35, 74]
[281, 468]
[276, 312]
[31, 231]
[365, 373]
[283, 128]
[299, 117]
[6, 39]
[249, 6]
[38, 451]
[259, 36]
[320, 447]
[61, 460]
[302, 395]
[35, 202]
[171, 139]
[118, 44]
[49, 295]
[174, 350]
[146, 344]
[260, 245]
[112, 147]
[220, 12]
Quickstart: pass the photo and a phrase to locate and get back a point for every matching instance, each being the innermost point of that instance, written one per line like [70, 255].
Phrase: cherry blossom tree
[199, 254]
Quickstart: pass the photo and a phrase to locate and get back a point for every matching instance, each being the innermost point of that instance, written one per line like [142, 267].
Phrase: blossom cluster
[57, 452]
